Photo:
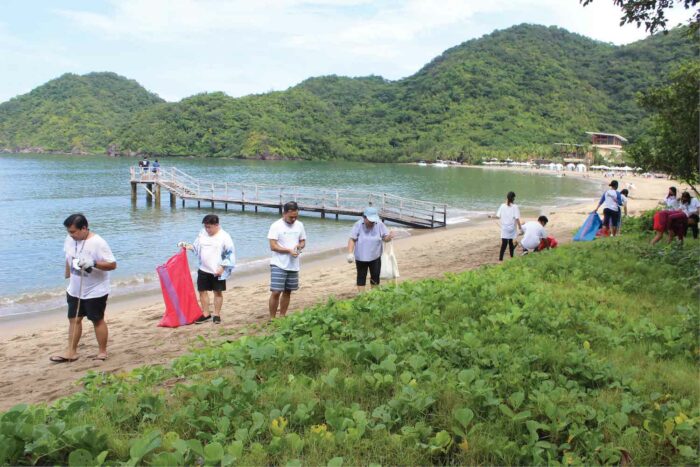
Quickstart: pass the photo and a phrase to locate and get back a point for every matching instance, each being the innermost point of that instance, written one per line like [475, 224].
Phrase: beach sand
[26, 375]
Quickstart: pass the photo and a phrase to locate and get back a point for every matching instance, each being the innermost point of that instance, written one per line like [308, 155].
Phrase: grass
[587, 354]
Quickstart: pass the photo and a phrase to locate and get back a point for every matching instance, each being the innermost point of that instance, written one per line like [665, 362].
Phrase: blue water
[37, 192]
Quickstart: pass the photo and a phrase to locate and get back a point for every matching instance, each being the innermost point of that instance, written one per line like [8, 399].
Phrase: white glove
[85, 263]
[183, 245]
[350, 257]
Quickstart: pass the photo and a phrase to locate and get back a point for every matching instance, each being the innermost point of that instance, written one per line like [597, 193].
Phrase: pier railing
[326, 201]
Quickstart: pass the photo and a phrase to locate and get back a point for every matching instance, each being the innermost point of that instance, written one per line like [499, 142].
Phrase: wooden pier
[405, 211]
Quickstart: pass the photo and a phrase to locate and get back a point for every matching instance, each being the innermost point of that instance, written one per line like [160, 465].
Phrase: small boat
[422, 164]
[440, 164]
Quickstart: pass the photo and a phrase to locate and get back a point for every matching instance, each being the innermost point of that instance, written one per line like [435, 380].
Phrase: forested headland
[511, 93]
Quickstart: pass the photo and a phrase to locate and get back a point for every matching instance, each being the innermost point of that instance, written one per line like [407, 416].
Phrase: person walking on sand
[88, 260]
[365, 247]
[611, 201]
[509, 213]
[287, 239]
[212, 246]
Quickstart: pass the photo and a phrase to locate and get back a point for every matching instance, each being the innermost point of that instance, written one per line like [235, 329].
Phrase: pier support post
[212, 204]
[242, 207]
[157, 193]
[225, 206]
[199, 205]
[173, 199]
[256, 208]
[149, 196]
[323, 214]
[183, 202]
[133, 192]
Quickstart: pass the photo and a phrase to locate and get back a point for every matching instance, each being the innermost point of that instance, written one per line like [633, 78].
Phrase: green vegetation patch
[587, 354]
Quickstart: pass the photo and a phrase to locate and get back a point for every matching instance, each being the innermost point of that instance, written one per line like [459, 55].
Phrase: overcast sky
[177, 48]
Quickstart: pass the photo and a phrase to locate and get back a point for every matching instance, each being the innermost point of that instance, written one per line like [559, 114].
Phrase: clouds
[180, 47]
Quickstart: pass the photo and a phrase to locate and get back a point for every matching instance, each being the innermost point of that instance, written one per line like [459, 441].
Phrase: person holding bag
[365, 247]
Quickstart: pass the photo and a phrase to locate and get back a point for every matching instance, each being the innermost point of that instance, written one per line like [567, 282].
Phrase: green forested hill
[72, 113]
[512, 92]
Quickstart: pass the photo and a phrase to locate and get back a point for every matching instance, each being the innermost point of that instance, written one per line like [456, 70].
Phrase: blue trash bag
[589, 228]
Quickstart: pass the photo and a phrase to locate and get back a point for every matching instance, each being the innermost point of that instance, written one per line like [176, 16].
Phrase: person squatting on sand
[509, 214]
[88, 260]
[365, 247]
[534, 235]
[212, 245]
[287, 239]
[611, 200]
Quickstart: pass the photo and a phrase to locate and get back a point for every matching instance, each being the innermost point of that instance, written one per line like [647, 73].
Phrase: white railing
[308, 198]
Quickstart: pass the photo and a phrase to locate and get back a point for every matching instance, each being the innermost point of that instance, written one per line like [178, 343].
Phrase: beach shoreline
[26, 375]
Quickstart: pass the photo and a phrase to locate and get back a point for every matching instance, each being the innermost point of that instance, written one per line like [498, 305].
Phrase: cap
[371, 214]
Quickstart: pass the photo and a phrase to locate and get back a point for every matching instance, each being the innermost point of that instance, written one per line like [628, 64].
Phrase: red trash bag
[181, 305]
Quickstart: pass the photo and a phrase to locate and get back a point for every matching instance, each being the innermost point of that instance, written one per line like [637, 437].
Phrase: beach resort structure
[606, 144]
[404, 211]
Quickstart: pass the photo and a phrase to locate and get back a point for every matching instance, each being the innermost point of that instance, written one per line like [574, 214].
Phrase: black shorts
[93, 308]
[374, 267]
[611, 218]
[207, 281]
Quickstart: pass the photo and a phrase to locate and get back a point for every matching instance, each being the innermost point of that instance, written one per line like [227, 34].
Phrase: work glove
[183, 245]
[350, 257]
[86, 263]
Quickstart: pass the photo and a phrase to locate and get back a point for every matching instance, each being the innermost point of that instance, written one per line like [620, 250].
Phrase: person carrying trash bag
[365, 247]
[213, 248]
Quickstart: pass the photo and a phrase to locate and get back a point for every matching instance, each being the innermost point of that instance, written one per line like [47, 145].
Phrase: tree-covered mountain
[72, 113]
[512, 92]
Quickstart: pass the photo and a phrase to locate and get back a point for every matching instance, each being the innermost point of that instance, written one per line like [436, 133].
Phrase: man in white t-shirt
[535, 237]
[212, 246]
[88, 260]
[287, 239]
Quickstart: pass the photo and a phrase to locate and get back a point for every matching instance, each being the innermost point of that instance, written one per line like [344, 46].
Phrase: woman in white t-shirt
[509, 213]
[691, 207]
[670, 203]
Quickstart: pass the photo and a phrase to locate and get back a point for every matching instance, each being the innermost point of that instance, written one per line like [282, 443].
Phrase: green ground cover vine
[587, 354]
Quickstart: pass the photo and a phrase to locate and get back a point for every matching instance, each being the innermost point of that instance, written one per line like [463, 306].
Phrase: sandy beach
[26, 375]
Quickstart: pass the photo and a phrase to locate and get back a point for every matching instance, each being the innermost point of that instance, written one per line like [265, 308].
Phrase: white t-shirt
[690, 208]
[610, 198]
[508, 215]
[671, 203]
[209, 249]
[534, 232]
[287, 236]
[95, 282]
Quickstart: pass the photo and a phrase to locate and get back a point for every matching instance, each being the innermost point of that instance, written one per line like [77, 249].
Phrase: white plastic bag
[390, 268]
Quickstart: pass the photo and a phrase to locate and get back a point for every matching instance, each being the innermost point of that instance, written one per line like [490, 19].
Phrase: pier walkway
[405, 211]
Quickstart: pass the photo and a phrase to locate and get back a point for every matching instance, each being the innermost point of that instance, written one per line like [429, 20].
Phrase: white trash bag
[390, 268]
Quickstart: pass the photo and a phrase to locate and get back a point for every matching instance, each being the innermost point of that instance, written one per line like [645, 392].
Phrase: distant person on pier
[214, 248]
[509, 214]
[155, 167]
[144, 164]
[365, 247]
[88, 260]
[287, 239]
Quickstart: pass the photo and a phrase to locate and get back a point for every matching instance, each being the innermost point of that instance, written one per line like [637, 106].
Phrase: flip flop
[60, 359]
[101, 358]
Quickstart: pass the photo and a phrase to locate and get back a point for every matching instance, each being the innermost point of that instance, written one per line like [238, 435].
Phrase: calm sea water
[37, 192]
